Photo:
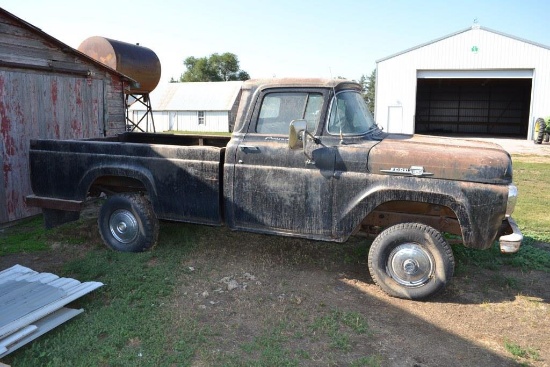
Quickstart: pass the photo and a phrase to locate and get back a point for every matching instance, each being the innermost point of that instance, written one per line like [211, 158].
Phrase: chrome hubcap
[410, 265]
[124, 226]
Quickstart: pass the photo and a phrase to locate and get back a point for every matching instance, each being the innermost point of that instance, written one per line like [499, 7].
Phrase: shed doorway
[495, 107]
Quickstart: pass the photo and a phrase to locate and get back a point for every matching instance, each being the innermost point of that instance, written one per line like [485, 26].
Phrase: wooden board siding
[36, 105]
[47, 90]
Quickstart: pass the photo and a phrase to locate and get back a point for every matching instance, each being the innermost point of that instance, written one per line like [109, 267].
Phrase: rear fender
[138, 173]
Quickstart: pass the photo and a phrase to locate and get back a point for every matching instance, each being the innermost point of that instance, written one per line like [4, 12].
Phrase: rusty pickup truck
[306, 159]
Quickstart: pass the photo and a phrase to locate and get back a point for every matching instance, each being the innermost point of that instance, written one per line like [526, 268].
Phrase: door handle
[249, 148]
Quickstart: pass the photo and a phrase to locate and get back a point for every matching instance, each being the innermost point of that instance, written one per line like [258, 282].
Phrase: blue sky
[281, 38]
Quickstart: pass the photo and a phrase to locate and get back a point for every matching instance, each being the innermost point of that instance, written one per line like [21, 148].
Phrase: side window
[279, 109]
[349, 114]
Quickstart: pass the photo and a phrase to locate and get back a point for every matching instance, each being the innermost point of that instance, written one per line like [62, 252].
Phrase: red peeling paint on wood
[53, 90]
[13, 202]
[78, 93]
[5, 123]
[6, 170]
[9, 145]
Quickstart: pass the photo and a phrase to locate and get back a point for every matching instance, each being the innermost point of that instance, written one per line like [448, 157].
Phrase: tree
[369, 89]
[214, 68]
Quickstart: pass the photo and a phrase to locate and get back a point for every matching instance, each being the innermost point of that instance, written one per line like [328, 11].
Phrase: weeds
[528, 257]
[371, 361]
[28, 236]
[336, 325]
[517, 351]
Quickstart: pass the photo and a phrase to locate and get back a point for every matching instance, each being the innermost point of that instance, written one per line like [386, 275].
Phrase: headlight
[512, 199]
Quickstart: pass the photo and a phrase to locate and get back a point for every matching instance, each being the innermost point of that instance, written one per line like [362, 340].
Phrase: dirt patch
[249, 283]
[62, 249]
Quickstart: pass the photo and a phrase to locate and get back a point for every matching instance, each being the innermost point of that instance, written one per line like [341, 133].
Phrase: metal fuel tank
[138, 62]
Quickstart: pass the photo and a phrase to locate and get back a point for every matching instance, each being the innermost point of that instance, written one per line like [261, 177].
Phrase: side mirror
[296, 134]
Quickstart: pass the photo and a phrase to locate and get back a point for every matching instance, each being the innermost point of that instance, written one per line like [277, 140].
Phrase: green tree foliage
[369, 89]
[214, 68]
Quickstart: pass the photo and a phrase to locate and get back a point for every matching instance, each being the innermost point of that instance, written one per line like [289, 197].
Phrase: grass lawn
[134, 320]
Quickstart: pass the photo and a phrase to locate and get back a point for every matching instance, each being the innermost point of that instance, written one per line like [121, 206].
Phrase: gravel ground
[520, 146]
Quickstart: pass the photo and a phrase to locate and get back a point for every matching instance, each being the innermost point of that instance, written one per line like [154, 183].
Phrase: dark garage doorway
[468, 107]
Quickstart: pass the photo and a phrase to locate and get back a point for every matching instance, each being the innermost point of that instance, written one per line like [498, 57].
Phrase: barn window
[201, 117]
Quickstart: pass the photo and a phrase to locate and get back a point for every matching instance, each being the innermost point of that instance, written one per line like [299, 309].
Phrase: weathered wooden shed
[48, 90]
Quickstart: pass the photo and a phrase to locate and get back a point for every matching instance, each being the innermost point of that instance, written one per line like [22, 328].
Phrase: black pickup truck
[306, 159]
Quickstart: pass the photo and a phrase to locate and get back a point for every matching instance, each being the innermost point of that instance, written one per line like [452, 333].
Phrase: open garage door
[489, 103]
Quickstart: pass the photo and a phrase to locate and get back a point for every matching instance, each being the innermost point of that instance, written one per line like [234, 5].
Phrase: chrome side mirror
[297, 133]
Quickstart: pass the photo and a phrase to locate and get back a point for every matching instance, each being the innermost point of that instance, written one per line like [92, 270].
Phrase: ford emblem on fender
[413, 171]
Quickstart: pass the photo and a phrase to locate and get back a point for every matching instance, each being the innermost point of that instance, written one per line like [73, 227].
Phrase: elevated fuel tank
[138, 62]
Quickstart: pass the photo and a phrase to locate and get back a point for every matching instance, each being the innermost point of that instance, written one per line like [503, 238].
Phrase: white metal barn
[200, 106]
[474, 82]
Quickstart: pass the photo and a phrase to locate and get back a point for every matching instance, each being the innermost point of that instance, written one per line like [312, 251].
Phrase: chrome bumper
[510, 243]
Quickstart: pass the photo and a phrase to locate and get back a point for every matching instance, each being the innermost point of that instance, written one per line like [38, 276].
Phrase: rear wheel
[128, 223]
[411, 260]
[540, 127]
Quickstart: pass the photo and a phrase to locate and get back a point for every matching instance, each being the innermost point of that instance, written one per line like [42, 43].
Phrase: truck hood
[441, 158]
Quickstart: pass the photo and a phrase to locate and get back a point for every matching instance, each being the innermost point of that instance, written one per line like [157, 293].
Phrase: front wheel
[128, 223]
[411, 261]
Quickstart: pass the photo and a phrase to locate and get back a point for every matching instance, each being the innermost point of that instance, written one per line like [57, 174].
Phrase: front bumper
[510, 242]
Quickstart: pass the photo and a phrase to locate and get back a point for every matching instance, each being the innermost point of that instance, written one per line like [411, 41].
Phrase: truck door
[275, 188]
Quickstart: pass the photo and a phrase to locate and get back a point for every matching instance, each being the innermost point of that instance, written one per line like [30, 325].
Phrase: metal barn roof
[31, 304]
[198, 96]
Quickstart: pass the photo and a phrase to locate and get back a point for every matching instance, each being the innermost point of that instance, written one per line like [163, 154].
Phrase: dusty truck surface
[306, 159]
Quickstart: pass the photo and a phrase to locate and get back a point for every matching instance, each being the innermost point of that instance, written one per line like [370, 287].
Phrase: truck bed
[181, 173]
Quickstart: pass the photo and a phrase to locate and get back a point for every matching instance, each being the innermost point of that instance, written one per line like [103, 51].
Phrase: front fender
[479, 208]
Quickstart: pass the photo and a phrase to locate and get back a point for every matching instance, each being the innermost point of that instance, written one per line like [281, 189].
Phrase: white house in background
[200, 106]
[474, 82]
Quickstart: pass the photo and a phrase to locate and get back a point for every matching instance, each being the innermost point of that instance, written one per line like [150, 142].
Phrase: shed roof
[62, 46]
[196, 96]
[474, 27]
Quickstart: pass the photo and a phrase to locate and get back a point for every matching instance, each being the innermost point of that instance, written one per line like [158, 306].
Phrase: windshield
[349, 115]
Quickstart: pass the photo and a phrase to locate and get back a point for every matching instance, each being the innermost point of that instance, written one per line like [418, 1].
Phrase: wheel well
[440, 217]
[116, 184]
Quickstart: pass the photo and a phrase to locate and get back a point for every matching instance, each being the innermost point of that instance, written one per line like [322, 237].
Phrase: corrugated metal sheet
[473, 49]
[200, 96]
[32, 303]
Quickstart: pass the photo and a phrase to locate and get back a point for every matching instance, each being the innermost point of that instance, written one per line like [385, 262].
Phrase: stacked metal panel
[32, 304]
